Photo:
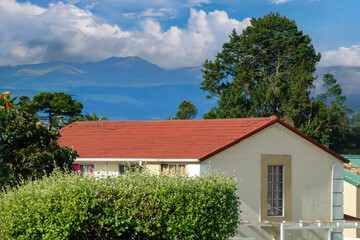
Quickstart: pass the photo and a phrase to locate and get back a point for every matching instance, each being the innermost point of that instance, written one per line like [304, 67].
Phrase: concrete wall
[311, 178]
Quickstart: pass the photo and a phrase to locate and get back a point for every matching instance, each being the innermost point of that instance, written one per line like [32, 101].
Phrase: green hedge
[132, 206]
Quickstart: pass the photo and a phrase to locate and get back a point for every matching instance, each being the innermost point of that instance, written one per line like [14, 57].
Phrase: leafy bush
[28, 148]
[130, 206]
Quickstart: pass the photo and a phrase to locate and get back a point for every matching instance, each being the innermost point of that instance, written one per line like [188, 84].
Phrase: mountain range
[132, 88]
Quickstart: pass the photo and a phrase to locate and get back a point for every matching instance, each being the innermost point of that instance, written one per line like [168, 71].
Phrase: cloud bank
[64, 32]
[349, 57]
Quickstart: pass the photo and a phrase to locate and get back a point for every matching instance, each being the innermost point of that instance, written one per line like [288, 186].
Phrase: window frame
[276, 183]
[168, 165]
[129, 168]
[276, 160]
[80, 166]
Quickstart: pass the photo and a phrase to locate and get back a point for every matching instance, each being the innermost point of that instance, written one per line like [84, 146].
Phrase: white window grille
[275, 190]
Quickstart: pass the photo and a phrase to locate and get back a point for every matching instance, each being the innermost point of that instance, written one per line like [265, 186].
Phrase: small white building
[283, 174]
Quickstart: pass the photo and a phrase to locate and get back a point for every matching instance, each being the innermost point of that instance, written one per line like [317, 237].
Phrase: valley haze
[131, 88]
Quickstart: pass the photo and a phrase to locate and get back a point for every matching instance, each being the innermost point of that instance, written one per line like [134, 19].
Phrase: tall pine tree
[268, 70]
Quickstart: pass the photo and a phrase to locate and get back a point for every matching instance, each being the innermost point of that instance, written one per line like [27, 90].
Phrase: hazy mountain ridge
[120, 88]
[132, 88]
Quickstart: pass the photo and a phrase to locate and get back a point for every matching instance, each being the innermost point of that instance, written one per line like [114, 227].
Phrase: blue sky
[171, 34]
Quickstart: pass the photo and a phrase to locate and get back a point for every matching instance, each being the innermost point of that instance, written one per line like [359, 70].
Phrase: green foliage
[28, 148]
[60, 123]
[6, 101]
[79, 117]
[267, 70]
[355, 120]
[327, 115]
[92, 117]
[347, 135]
[57, 106]
[130, 206]
[186, 110]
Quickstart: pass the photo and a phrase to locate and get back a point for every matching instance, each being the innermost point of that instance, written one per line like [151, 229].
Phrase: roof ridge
[175, 120]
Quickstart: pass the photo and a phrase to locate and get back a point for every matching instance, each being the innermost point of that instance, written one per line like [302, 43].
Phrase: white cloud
[343, 56]
[163, 13]
[280, 1]
[64, 32]
[192, 3]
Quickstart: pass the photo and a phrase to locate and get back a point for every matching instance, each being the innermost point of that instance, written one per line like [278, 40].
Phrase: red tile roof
[164, 139]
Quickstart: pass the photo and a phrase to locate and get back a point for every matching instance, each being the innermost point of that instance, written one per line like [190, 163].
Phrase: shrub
[130, 206]
[28, 148]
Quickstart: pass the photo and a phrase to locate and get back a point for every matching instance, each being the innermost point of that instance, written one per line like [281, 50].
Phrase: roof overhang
[187, 160]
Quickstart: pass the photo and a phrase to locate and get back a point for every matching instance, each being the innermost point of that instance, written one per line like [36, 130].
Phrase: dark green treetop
[267, 70]
[186, 110]
[57, 105]
[28, 148]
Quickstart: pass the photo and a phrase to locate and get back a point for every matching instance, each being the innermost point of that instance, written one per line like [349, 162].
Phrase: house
[283, 174]
[352, 193]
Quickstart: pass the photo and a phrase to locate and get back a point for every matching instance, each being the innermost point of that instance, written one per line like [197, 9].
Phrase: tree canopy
[92, 117]
[28, 148]
[327, 113]
[6, 101]
[268, 70]
[56, 106]
[186, 110]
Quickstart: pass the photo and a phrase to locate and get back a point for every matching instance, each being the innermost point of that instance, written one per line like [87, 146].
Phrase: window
[84, 168]
[173, 169]
[129, 168]
[275, 187]
[275, 190]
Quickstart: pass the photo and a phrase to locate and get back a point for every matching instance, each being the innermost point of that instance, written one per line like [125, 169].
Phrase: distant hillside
[132, 88]
[119, 88]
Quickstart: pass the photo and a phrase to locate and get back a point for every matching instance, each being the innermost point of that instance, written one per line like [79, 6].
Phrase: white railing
[337, 228]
